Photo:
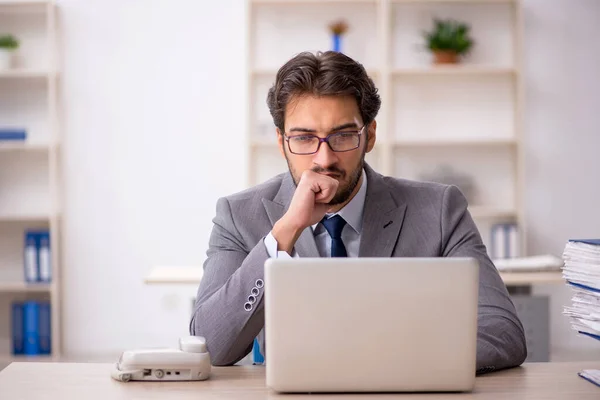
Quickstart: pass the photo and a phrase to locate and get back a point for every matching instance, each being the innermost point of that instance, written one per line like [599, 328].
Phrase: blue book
[31, 315]
[17, 329]
[30, 257]
[12, 134]
[45, 328]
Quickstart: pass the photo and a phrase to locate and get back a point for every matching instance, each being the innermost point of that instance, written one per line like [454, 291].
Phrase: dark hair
[323, 74]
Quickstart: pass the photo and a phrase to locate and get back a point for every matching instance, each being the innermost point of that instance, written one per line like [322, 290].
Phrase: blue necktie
[334, 226]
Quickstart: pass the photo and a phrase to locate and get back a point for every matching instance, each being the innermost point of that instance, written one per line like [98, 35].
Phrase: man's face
[321, 116]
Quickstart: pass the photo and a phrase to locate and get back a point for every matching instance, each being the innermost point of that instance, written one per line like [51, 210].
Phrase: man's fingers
[327, 189]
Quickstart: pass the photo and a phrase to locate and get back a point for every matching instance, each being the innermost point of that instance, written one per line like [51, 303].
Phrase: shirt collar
[353, 211]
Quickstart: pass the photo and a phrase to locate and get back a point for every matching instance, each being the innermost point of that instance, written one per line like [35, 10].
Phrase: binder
[505, 241]
[499, 242]
[44, 256]
[45, 328]
[12, 134]
[31, 328]
[37, 256]
[30, 257]
[17, 325]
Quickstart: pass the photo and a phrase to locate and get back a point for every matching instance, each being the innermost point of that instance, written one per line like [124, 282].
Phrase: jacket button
[260, 283]
[255, 291]
[248, 306]
[251, 299]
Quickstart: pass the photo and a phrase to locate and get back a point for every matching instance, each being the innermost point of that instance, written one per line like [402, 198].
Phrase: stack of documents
[582, 271]
[546, 262]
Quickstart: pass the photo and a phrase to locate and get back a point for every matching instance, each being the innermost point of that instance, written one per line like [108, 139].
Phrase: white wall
[154, 114]
[562, 72]
[154, 100]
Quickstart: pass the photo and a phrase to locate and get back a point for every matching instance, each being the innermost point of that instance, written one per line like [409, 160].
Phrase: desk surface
[92, 381]
[193, 275]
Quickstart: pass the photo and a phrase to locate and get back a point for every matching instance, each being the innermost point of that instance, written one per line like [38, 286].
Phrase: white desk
[175, 274]
[29, 381]
[193, 275]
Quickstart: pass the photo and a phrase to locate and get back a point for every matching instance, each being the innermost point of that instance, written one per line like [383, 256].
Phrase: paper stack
[582, 271]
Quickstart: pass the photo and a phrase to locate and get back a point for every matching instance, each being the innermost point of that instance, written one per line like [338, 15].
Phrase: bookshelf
[29, 170]
[466, 116]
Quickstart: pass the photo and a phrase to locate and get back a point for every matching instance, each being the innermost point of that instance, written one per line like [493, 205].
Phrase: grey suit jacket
[429, 220]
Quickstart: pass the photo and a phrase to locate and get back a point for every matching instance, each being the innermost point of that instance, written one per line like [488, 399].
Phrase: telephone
[189, 362]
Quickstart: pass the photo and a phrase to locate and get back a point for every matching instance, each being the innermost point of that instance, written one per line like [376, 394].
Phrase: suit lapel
[305, 245]
[382, 218]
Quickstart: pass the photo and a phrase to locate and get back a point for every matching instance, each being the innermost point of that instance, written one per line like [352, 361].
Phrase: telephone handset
[189, 362]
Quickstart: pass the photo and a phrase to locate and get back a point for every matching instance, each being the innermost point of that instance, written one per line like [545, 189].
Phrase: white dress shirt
[352, 214]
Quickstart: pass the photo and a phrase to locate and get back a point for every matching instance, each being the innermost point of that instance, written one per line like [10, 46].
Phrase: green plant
[8, 42]
[449, 35]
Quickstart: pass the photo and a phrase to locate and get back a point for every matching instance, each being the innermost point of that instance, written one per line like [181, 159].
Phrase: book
[12, 134]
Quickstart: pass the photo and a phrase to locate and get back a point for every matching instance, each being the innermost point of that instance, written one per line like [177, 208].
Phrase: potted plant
[8, 44]
[448, 40]
[338, 29]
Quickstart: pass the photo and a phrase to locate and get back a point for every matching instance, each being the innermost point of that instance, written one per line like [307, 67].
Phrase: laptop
[371, 324]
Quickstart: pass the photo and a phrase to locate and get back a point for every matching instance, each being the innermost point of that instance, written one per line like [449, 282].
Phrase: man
[333, 204]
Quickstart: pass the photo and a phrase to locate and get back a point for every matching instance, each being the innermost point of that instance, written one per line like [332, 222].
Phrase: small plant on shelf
[449, 40]
[337, 30]
[8, 45]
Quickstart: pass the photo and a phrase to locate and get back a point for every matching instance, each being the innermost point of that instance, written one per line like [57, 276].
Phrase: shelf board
[24, 5]
[314, 2]
[265, 144]
[455, 143]
[22, 287]
[26, 73]
[458, 69]
[271, 72]
[481, 212]
[25, 217]
[19, 145]
[455, 1]
[20, 3]
[175, 274]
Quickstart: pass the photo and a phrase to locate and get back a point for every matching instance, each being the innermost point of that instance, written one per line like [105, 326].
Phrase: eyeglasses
[305, 144]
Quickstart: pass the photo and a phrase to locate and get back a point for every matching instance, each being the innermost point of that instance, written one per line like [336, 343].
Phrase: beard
[344, 190]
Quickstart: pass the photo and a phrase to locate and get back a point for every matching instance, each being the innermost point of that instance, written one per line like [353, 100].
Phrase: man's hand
[308, 206]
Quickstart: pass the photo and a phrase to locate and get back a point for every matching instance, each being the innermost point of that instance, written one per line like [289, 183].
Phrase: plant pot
[5, 59]
[445, 57]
